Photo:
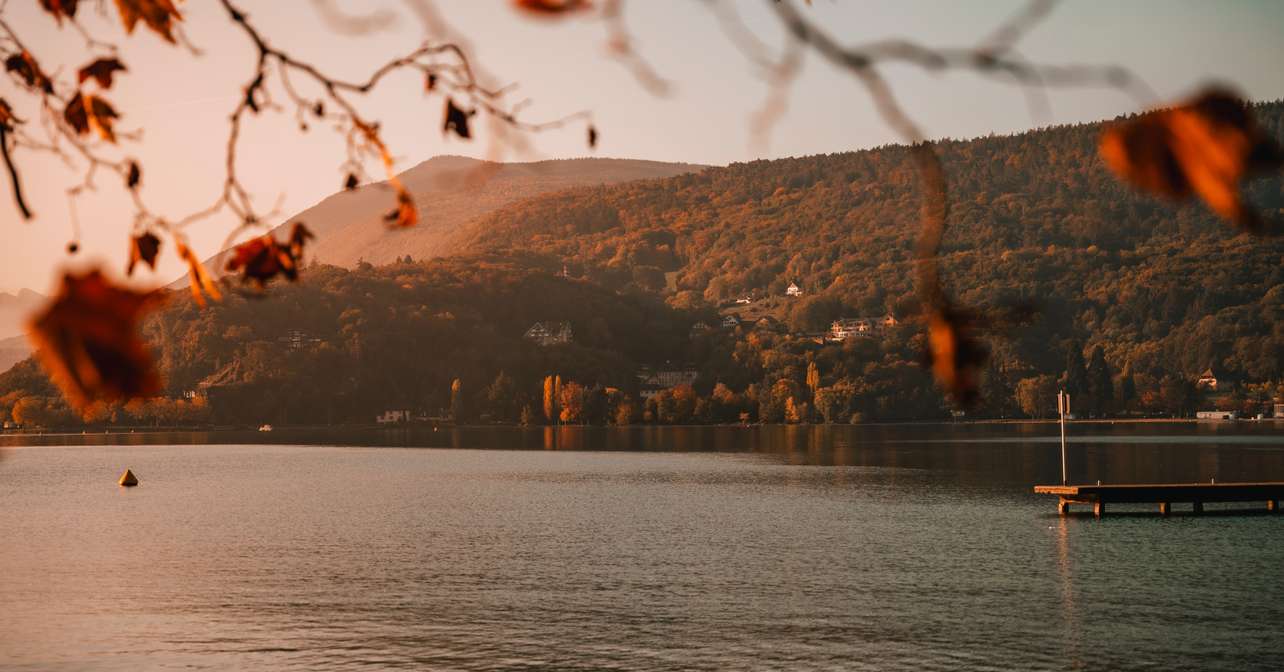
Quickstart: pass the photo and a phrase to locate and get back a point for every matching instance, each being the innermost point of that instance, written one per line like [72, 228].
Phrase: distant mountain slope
[1035, 216]
[13, 350]
[15, 309]
[451, 191]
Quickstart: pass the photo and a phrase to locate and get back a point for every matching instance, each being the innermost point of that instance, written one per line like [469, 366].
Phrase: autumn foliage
[87, 339]
[1207, 148]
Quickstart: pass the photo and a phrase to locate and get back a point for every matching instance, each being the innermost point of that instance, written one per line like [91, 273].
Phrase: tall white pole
[1063, 408]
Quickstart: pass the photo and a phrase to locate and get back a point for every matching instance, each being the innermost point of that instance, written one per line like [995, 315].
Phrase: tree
[456, 401]
[1101, 387]
[834, 403]
[528, 416]
[557, 397]
[1037, 396]
[501, 397]
[571, 402]
[1127, 387]
[626, 412]
[550, 400]
[1075, 378]
[813, 378]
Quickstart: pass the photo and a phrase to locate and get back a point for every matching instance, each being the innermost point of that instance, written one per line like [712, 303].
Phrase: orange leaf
[87, 340]
[405, 214]
[1204, 147]
[263, 258]
[552, 8]
[159, 15]
[86, 112]
[101, 70]
[198, 278]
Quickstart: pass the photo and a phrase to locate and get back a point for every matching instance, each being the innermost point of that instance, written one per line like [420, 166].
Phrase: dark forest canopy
[1140, 295]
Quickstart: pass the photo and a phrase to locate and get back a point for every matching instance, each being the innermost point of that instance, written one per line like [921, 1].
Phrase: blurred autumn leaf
[101, 71]
[263, 258]
[159, 15]
[198, 278]
[954, 354]
[25, 67]
[405, 214]
[143, 248]
[456, 120]
[87, 340]
[1204, 147]
[60, 8]
[552, 8]
[86, 112]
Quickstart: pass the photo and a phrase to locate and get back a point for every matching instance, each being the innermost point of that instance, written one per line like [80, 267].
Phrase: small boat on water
[265, 427]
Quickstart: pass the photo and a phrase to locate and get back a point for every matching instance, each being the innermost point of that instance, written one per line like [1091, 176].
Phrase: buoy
[128, 479]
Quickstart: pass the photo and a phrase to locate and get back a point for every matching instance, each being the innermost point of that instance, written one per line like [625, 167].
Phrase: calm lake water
[879, 548]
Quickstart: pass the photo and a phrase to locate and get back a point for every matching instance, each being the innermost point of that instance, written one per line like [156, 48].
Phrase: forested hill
[582, 305]
[1035, 215]
[450, 191]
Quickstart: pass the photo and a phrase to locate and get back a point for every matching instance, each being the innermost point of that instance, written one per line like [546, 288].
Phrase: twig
[13, 173]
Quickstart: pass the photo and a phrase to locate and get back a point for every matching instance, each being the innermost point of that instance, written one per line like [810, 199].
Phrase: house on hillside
[393, 417]
[744, 300]
[793, 290]
[549, 333]
[296, 339]
[1279, 409]
[699, 328]
[651, 383]
[730, 322]
[849, 327]
[888, 321]
[1207, 380]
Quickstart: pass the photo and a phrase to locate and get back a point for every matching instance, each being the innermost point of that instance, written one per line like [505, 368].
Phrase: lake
[693, 548]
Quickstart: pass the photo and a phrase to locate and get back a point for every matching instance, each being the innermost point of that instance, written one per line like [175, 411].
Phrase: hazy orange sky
[182, 101]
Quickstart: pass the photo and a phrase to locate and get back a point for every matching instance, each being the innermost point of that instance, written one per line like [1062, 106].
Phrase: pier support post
[1098, 508]
[1165, 508]
[1063, 507]
[1197, 507]
[1273, 506]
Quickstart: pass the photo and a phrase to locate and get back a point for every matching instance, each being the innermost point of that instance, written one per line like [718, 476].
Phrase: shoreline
[100, 431]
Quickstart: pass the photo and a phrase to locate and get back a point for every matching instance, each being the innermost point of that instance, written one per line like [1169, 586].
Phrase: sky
[181, 102]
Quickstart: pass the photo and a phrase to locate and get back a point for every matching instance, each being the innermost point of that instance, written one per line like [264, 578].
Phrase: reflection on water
[882, 548]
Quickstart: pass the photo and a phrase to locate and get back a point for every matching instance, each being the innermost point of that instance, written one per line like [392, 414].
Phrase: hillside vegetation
[1034, 217]
[1137, 298]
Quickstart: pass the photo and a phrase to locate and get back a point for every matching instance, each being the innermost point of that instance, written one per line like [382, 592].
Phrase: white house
[730, 322]
[549, 333]
[848, 327]
[793, 290]
[392, 417]
[1207, 380]
[1216, 415]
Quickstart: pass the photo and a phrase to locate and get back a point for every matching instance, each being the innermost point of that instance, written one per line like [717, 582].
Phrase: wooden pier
[1164, 495]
